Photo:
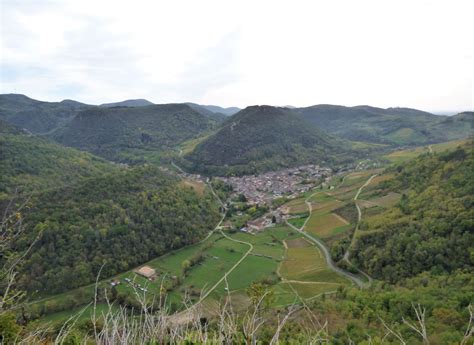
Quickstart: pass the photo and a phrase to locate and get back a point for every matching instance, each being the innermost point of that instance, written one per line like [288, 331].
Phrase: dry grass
[300, 242]
[323, 225]
[386, 201]
[198, 186]
[300, 260]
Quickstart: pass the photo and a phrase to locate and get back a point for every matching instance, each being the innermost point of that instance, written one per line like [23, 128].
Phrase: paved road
[359, 282]
[327, 255]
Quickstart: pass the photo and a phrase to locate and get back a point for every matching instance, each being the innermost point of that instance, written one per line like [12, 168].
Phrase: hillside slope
[118, 220]
[32, 164]
[261, 138]
[37, 116]
[430, 229]
[116, 133]
[395, 126]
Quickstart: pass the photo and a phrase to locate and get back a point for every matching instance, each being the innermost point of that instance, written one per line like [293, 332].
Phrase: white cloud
[404, 53]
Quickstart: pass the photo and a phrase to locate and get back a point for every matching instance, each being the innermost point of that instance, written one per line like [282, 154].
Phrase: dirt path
[359, 216]
[341, 219]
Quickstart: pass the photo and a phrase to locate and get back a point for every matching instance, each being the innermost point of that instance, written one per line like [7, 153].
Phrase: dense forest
[118, 220]
[431, 227]
[36, 116]
[32, 164]
[117, 133]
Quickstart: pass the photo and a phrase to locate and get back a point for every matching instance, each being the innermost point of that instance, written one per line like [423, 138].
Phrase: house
[114, 283]
[146, 272]
[257, 224]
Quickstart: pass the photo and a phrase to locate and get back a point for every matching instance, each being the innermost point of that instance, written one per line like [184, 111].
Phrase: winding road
[186, 315]
[354, 278]
[327, 255]
[322, 246]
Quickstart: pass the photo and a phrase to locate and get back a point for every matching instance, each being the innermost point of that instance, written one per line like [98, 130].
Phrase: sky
[414, 53]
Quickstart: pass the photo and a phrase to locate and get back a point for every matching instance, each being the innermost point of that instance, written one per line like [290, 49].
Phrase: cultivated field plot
[365, 204]
[300, 261]
[297, 206]
[252, 269]
[304, 271]
[299, 242]
[324, 207]
[268, 242]
[321, 197]
[307, 290]
[326, 225]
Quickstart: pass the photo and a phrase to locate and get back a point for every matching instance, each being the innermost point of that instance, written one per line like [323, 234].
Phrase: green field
[219, 253]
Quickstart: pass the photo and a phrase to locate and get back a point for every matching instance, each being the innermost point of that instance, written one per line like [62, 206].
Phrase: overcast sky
[383, 53]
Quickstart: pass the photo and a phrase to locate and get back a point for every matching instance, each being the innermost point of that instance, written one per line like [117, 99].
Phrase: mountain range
[254, 139]
[393, 126]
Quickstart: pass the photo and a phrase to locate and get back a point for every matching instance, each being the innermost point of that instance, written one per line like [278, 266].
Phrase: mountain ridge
[261, 138]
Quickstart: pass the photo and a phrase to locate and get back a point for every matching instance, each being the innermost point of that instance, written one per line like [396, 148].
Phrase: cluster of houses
[262, 189]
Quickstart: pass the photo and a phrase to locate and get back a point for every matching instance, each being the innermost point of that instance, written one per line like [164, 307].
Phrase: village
[264, 188]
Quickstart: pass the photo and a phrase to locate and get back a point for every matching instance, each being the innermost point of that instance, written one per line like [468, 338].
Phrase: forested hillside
[37, 116]
[118, 220]
[30, 164]
[119, 133]
[394, 126]
[261, 138]
[431, 228]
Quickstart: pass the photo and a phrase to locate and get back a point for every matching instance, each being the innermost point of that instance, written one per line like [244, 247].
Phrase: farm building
[146, 272]
[258, 224]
